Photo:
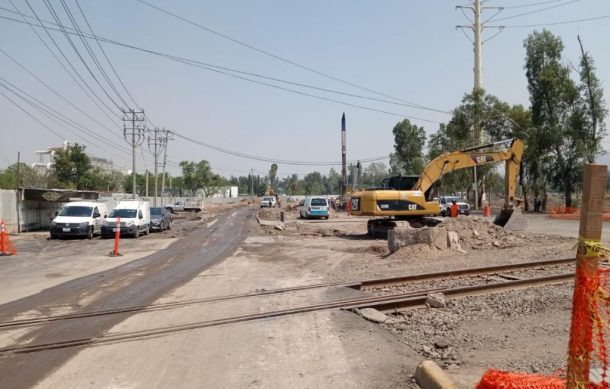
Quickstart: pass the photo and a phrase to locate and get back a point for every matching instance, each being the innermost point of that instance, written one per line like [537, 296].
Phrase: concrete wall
[37, 215]
[8, 209]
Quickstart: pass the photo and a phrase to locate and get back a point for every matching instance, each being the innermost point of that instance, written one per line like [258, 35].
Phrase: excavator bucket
[511, 219]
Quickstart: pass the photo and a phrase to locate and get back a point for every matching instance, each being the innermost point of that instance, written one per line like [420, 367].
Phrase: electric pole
[167, 136]
[343, 158]
[156, 145]
[133, 132]
[477, 28]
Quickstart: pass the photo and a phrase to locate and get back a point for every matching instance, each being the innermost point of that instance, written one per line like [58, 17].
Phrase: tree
[273, 177]
[28, 177]
[559, 124]
[313, 184]
[104, 180]
[70, 166]
[199, 177]
[373, 174]
[593, 106]
[409, 142]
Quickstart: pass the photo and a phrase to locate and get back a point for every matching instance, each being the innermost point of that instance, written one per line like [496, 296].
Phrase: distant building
[45, 159]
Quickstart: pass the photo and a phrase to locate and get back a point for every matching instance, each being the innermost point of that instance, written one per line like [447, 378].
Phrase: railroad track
[360, 285]
[383, 303]
[380, 302]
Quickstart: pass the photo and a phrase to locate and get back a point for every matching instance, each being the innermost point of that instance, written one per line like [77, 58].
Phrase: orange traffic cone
[6, 246]
[486, 211]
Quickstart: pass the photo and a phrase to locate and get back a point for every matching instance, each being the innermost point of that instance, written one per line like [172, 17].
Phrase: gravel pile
[476, 233]
[479, 326]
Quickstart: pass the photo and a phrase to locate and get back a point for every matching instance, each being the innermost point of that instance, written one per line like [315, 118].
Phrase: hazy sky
[406, 49]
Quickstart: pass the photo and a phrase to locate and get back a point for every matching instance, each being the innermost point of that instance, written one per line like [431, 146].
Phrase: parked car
[314, 207]
[268, 201]
[185, 206]
[160, 219]
[445, 201]
[79, 218]
[135, 219]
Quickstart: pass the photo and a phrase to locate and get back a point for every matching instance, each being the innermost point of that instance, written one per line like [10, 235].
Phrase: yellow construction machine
[409, 197]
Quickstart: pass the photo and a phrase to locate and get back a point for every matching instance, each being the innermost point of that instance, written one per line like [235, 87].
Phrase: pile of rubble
[460, 234]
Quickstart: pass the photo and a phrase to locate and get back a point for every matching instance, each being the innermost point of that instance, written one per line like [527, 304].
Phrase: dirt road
[231, 255]
[135, 283]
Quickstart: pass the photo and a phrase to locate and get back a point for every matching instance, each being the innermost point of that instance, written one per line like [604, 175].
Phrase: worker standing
[454, 209]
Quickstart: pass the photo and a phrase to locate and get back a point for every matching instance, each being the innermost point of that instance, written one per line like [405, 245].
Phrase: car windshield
[155, 211]
[268, 198]
[78, 211]
[450, 199]
[318, 202]
[128, 213]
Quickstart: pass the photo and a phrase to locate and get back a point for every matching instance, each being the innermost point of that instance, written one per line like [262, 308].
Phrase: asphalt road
[135, 283]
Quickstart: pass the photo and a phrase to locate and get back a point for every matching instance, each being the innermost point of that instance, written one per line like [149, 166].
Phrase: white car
[79, 218]
[268, 201]
[445, 201]
[314, 207]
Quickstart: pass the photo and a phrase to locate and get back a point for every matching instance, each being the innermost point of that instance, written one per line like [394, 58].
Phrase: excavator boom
[396, 201]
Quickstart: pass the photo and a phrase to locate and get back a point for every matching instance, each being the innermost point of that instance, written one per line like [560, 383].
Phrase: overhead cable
[267, 53]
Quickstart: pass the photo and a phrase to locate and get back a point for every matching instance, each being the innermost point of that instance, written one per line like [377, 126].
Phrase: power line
[269, 159]
[62, 27]
[531, 4]
[32, 116]
[536, 11]
[51, 112]
[97, 104]
[55, 92]
[215, 68]
[558, 23]
[267, 53]
[92, 53]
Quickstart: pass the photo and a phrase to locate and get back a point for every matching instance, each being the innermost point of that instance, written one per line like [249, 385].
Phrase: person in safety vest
[454, 209]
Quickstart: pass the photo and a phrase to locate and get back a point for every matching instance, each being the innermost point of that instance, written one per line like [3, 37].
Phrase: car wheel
[147, 231]
[136, 234]
[90, 233]
[53, 236]
[169, 225]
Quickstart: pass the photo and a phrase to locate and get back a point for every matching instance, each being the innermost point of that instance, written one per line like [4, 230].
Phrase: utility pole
[18, 192]
[477, 28]
[167, 137]
[156, 145]
[133, 132]
[252, 184]
[343, 158]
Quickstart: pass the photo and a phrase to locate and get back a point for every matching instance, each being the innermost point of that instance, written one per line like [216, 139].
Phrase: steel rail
[360, 285]
[380, 302]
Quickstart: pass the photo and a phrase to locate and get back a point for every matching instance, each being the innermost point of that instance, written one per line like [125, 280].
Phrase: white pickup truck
[185, 206]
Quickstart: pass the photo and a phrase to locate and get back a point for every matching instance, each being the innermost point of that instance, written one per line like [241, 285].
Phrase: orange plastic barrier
[572, 213]
[591, 305]
[6, 246]
[117, 238]
[495, 379]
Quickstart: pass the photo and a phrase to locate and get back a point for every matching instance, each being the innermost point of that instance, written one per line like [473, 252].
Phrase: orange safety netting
[571, 213]
[589, 342]
[6, 246]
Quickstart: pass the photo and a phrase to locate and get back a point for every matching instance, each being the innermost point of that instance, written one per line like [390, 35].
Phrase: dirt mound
[476, 233]
[269, 213]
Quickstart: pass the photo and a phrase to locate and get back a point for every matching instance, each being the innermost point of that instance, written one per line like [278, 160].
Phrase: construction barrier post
[117, 238]
[6, 248]
[587, 261]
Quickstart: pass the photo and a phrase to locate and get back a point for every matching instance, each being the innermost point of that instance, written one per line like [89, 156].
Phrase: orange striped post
[6, 248]
[117, 238]
[581, 350]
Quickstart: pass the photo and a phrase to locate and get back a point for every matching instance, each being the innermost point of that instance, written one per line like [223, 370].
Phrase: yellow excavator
[408, 197]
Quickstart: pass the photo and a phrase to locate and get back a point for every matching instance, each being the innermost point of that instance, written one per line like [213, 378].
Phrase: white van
[79, 218]
[314, 207]
[135, 219]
